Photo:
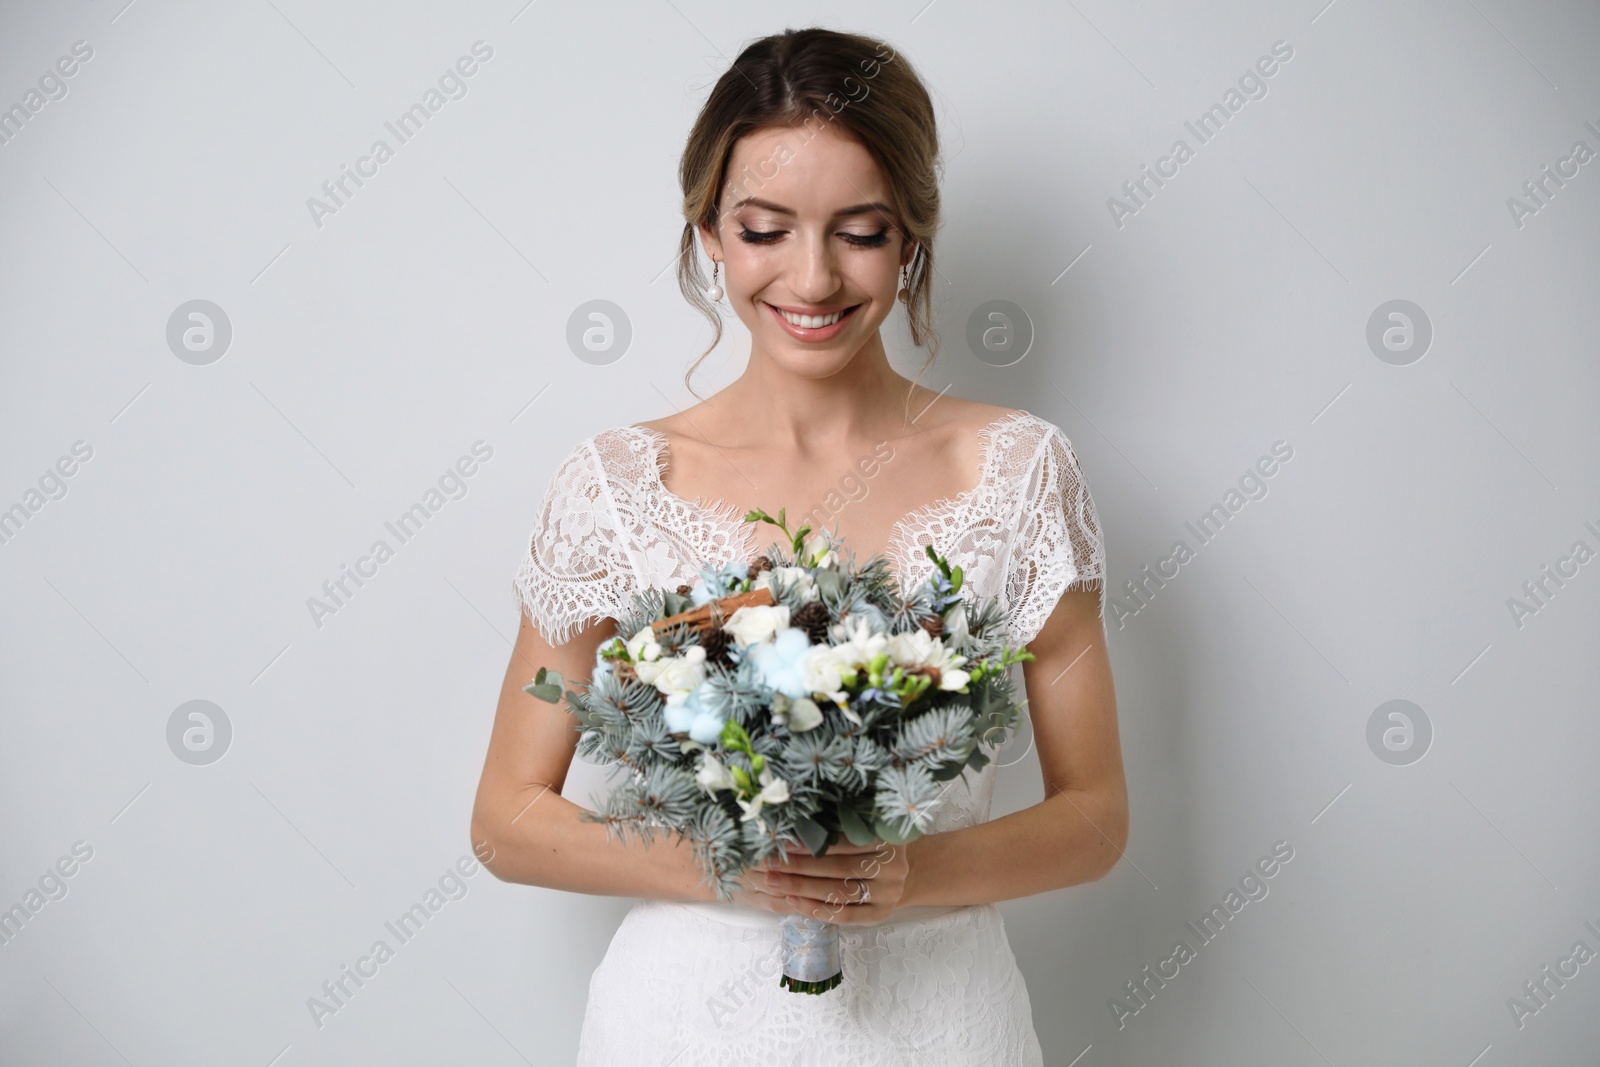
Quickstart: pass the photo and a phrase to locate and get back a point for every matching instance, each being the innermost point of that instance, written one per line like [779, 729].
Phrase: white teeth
[811, 322]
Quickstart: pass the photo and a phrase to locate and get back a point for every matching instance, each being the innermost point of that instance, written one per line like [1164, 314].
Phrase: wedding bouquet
[789, 702]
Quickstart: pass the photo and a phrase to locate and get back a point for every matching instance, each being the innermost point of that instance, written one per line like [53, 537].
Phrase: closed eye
[875, 240]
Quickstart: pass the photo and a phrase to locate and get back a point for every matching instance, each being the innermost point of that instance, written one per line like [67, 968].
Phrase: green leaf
[546, 690]
[947, 771]
[812, 834]
[855, 827]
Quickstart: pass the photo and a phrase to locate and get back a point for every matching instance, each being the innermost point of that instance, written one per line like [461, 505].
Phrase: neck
[864, 398]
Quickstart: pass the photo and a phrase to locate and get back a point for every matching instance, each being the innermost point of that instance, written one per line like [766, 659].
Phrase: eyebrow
[858, 209]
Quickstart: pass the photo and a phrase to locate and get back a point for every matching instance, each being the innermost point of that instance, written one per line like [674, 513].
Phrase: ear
[907, 254]
[710, 240]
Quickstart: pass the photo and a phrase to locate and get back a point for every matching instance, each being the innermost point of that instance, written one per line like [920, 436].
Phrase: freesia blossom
[713, 776]
[677, 675]
[774, 790]
[921, 649]
[861, 644]
[823, 668]
[799, 715]
[755, 623]
[955, 625]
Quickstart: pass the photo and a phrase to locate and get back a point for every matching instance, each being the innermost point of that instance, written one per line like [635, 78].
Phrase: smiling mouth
[814, 322]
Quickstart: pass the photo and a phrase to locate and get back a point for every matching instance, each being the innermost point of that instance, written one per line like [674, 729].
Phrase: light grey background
[369, 353]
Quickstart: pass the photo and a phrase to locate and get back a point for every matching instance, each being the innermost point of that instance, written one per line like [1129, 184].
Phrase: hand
[830, 887]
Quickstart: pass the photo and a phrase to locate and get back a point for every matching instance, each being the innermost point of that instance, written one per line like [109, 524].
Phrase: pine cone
[715, 640]
[814, 620]
[762, 563]
[934, 624]
[684, 590]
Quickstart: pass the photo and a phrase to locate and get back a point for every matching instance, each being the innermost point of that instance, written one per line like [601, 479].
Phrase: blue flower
[715, 581]
[702, 723]
[779, 662]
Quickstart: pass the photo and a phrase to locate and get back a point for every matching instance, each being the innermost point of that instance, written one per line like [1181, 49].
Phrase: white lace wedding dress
[694, 984]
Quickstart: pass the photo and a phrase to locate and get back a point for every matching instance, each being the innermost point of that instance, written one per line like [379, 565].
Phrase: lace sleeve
[1057, 544]
[575, 569]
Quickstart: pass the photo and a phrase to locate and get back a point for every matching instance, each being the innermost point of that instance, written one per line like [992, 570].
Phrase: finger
[838, 889]
[843, 915]
[856, 865]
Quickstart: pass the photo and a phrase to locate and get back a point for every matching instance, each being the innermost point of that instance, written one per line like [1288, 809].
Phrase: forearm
[1067, 839]
[538, 839]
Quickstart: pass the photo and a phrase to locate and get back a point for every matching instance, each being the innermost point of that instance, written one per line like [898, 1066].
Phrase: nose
[814, 276]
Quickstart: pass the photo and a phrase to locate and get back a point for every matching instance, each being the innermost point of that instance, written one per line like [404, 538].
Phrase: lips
[782, 312]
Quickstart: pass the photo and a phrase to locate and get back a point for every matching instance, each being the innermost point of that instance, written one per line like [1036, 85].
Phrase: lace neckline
[724, 511]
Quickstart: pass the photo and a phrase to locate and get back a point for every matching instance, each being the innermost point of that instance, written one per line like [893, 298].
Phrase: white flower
[921, 649]
[799, 715]
[822, 670]
[676, 676]
[754, 623]
[643, 646]
[787, 577]
[774, 790]
[955, 624]
[860, 644]
[713, 776]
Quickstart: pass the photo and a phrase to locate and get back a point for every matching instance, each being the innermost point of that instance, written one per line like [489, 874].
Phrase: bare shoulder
[698, 424]
[960, 418]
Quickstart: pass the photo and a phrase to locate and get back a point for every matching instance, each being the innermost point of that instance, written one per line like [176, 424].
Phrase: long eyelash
[876, 240]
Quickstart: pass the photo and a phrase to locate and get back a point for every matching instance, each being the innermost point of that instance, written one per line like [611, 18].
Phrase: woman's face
[806, 227]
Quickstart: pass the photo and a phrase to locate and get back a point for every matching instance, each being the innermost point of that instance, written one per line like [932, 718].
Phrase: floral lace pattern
[937, 990]
[677, 987]
[1026, 532]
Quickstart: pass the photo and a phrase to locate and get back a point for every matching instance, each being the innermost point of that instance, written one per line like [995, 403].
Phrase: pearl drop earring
[714, 293]
[905, 293]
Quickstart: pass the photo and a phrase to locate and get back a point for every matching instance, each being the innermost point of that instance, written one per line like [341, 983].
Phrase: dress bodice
[1025, 533]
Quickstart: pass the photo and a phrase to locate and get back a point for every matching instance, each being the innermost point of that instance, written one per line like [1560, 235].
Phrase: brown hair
[805, 79]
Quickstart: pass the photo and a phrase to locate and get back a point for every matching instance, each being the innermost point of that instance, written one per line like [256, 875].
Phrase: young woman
[810, 182]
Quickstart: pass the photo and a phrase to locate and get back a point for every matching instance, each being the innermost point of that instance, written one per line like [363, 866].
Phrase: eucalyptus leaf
[546, 685]
[812, 834]
[855, 828]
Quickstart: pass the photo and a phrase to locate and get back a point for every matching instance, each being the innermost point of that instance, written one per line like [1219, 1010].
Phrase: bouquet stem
[810, 954]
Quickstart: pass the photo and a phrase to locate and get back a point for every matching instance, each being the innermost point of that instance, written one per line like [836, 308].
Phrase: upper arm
[532, 741]
[1056, 587]
[1072, 702]
[571, 582]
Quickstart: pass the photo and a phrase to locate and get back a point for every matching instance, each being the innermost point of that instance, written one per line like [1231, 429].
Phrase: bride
[810, 181]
